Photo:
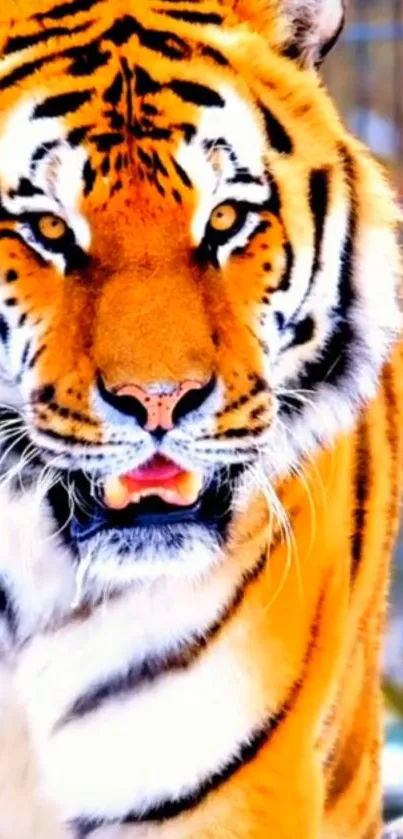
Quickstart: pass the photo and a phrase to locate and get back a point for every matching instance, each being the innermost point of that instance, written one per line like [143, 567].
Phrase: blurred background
[365, 77]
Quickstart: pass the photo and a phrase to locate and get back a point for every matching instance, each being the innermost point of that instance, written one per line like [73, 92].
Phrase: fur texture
[216, 678]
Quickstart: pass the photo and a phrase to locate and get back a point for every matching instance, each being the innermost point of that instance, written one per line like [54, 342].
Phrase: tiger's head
[197, 271]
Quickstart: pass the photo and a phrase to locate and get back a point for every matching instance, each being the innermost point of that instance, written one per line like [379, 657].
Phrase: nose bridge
[159, 401]
[153, 328]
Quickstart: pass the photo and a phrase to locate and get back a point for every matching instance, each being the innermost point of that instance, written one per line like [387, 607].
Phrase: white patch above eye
[236, 131]
[58, 173]
[20, 137]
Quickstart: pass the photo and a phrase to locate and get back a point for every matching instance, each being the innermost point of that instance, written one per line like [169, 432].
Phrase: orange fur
[307, 633]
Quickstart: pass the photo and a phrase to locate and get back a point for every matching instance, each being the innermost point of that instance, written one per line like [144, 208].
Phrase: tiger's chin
[148, 539]
[112, 561]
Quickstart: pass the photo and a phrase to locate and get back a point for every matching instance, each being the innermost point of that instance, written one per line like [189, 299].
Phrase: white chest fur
[156, 742]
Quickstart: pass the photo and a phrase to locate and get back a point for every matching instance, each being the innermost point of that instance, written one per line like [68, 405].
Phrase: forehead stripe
[166, 43]
[22, 42]
[72, 7]
[197, 94]
[192, 17]
[122, 30]
[64, 103]
[23, 72]
[215, 55]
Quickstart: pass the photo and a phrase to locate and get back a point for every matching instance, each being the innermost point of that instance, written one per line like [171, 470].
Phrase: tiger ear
[312, 28]
[303, 29]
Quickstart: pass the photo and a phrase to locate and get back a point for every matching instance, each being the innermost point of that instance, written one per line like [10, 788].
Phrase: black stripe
[113, 94]
[277, 135]
[25, 189]
[77, 135]
[246, 753]
[192, 17]
[285, 281]
[89, 177]
[215, 55]
[11, 234]
[128, 85]
[4, 330]
[187, 128]
[145, 84]
[184, 177]
[72, 7]
[166, 43]
[119, 33]
[107, 140]
[36, 356]
[303, 331]
[393, 416]
[197, 94]
[362, 475]
[169, 809]
[42, 151]
[23, 72]
[8, 612]
[151, 669]
[318, 203]
[87, 58]
[337, 358]
[240, 433]
[62, 104]
[22, 42]
[242, 176]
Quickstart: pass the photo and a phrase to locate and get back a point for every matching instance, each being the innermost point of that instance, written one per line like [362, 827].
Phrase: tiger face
[189, 275]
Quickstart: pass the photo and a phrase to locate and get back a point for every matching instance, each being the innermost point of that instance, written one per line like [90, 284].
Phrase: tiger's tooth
[143, 493]
[183, 492]
[171, 496]
[116, 494]
[190, 486]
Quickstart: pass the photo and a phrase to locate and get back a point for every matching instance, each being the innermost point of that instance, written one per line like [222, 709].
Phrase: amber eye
[52, 227]
[224, 217]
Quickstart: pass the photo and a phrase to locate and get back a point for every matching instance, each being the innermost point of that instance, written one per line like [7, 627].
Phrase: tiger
[201, 425]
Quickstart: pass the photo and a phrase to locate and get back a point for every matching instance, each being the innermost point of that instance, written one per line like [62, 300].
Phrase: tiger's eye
[52, 227]
[224, 217]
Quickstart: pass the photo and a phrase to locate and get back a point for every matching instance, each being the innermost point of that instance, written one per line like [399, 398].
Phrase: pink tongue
[157, 470]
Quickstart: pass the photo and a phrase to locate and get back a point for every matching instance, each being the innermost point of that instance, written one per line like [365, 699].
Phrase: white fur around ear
[314, 26]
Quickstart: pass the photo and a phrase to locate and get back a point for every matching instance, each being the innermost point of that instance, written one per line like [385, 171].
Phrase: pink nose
[163, 408]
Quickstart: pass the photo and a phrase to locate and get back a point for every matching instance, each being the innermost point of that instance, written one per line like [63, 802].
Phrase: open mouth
[158, 494]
